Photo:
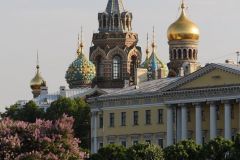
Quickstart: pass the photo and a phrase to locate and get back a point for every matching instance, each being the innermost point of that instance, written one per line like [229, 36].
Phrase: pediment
[210, 76]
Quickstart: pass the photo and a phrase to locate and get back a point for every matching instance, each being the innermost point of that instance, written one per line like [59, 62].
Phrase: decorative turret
[37, 82]
[183, 36]
[115, 18]
[82, 71]
[156, 68]
[114, 51]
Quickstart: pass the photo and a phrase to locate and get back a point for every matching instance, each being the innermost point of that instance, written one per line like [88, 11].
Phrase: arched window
[175, 53]
[104, 21]
[190, 53]
[128, 22]
[99, 66]
[133, 67]
[117, 67]
[116, 21]
[184, 53]
[179, 54]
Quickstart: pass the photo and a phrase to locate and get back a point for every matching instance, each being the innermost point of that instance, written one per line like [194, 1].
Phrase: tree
[186, 150]
[145, 152]
[79, 110]
[217, 149]
[42, 140]
[235, 153]
[110, 152]
[28, 113]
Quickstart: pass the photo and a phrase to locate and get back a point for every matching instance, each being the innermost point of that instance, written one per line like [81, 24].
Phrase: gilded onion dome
[37, 82]
[81, 72]
[183, 28]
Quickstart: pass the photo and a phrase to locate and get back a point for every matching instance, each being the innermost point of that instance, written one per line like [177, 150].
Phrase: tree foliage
[42, 140]
[218, 149]
[76, 108]
[145, 152]
[186, 150]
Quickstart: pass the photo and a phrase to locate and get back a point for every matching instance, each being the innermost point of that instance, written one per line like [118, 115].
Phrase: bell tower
[115, 52]
[183, 36]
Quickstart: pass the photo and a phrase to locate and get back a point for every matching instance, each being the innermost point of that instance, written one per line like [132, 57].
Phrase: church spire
[80, 43]
[115, 6]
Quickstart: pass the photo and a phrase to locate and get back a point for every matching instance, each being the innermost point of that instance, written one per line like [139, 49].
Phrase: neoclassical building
[199, 106]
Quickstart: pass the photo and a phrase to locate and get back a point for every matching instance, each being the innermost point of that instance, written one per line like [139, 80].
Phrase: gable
[214, 78]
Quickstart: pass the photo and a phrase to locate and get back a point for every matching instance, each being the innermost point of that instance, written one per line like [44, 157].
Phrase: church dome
[81, 72]
[37, 82]
[183, 28]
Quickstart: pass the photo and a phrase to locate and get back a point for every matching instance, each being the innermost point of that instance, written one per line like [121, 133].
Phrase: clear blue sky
[51, 26]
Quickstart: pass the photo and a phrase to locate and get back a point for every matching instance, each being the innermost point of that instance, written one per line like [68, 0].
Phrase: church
[134, 101]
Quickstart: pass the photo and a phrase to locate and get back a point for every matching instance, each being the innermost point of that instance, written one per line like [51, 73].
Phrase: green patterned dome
[81, 72]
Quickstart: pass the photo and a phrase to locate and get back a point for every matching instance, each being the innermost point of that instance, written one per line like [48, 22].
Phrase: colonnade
[181, 121]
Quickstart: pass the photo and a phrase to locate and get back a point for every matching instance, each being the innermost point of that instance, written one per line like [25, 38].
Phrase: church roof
[115, 6]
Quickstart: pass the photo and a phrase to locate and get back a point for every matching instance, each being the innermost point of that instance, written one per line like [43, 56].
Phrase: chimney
[63, 91]
[230, 61]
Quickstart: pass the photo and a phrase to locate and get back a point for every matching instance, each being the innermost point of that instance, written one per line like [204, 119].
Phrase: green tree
[217, 149]
[110, 152]
[145, 152]
[79, 110]
[235, 153]
[28, 113]
[184, 150]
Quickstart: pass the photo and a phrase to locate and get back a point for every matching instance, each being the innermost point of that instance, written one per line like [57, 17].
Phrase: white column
[198, 125]
[95, 133]
[184, 122]
[213, 121]
[179, 124]
[227, 120]
[92, 132]
[169, 125]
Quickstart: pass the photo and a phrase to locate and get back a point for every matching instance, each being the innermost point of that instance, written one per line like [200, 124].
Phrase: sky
[52, 26]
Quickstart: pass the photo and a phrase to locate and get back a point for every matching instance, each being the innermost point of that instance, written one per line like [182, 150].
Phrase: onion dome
[37, 82]
[81, 72]
[183, 28]
[154, 65]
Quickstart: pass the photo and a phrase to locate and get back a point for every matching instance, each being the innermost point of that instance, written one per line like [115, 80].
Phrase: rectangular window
[148, 116]
[123, 119]
[148, 141]
[100, 121]
[174, 116]
[111, 120]
[218, 112]
[188, 115]
[160, 142]
[232, 111]
[135, 118]
[203, 115]
[100, 145]
[124, 143]
[160, 116]
[135, 142]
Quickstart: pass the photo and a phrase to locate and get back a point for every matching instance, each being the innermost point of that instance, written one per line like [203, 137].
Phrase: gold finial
[80, 43]
[147, 50]
[37, 61]
[153, 43]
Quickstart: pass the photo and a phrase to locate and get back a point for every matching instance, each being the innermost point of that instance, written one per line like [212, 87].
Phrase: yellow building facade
[200, 106]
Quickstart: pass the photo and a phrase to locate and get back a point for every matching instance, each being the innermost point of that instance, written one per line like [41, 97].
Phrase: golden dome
[37, 82]
[183, 28]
